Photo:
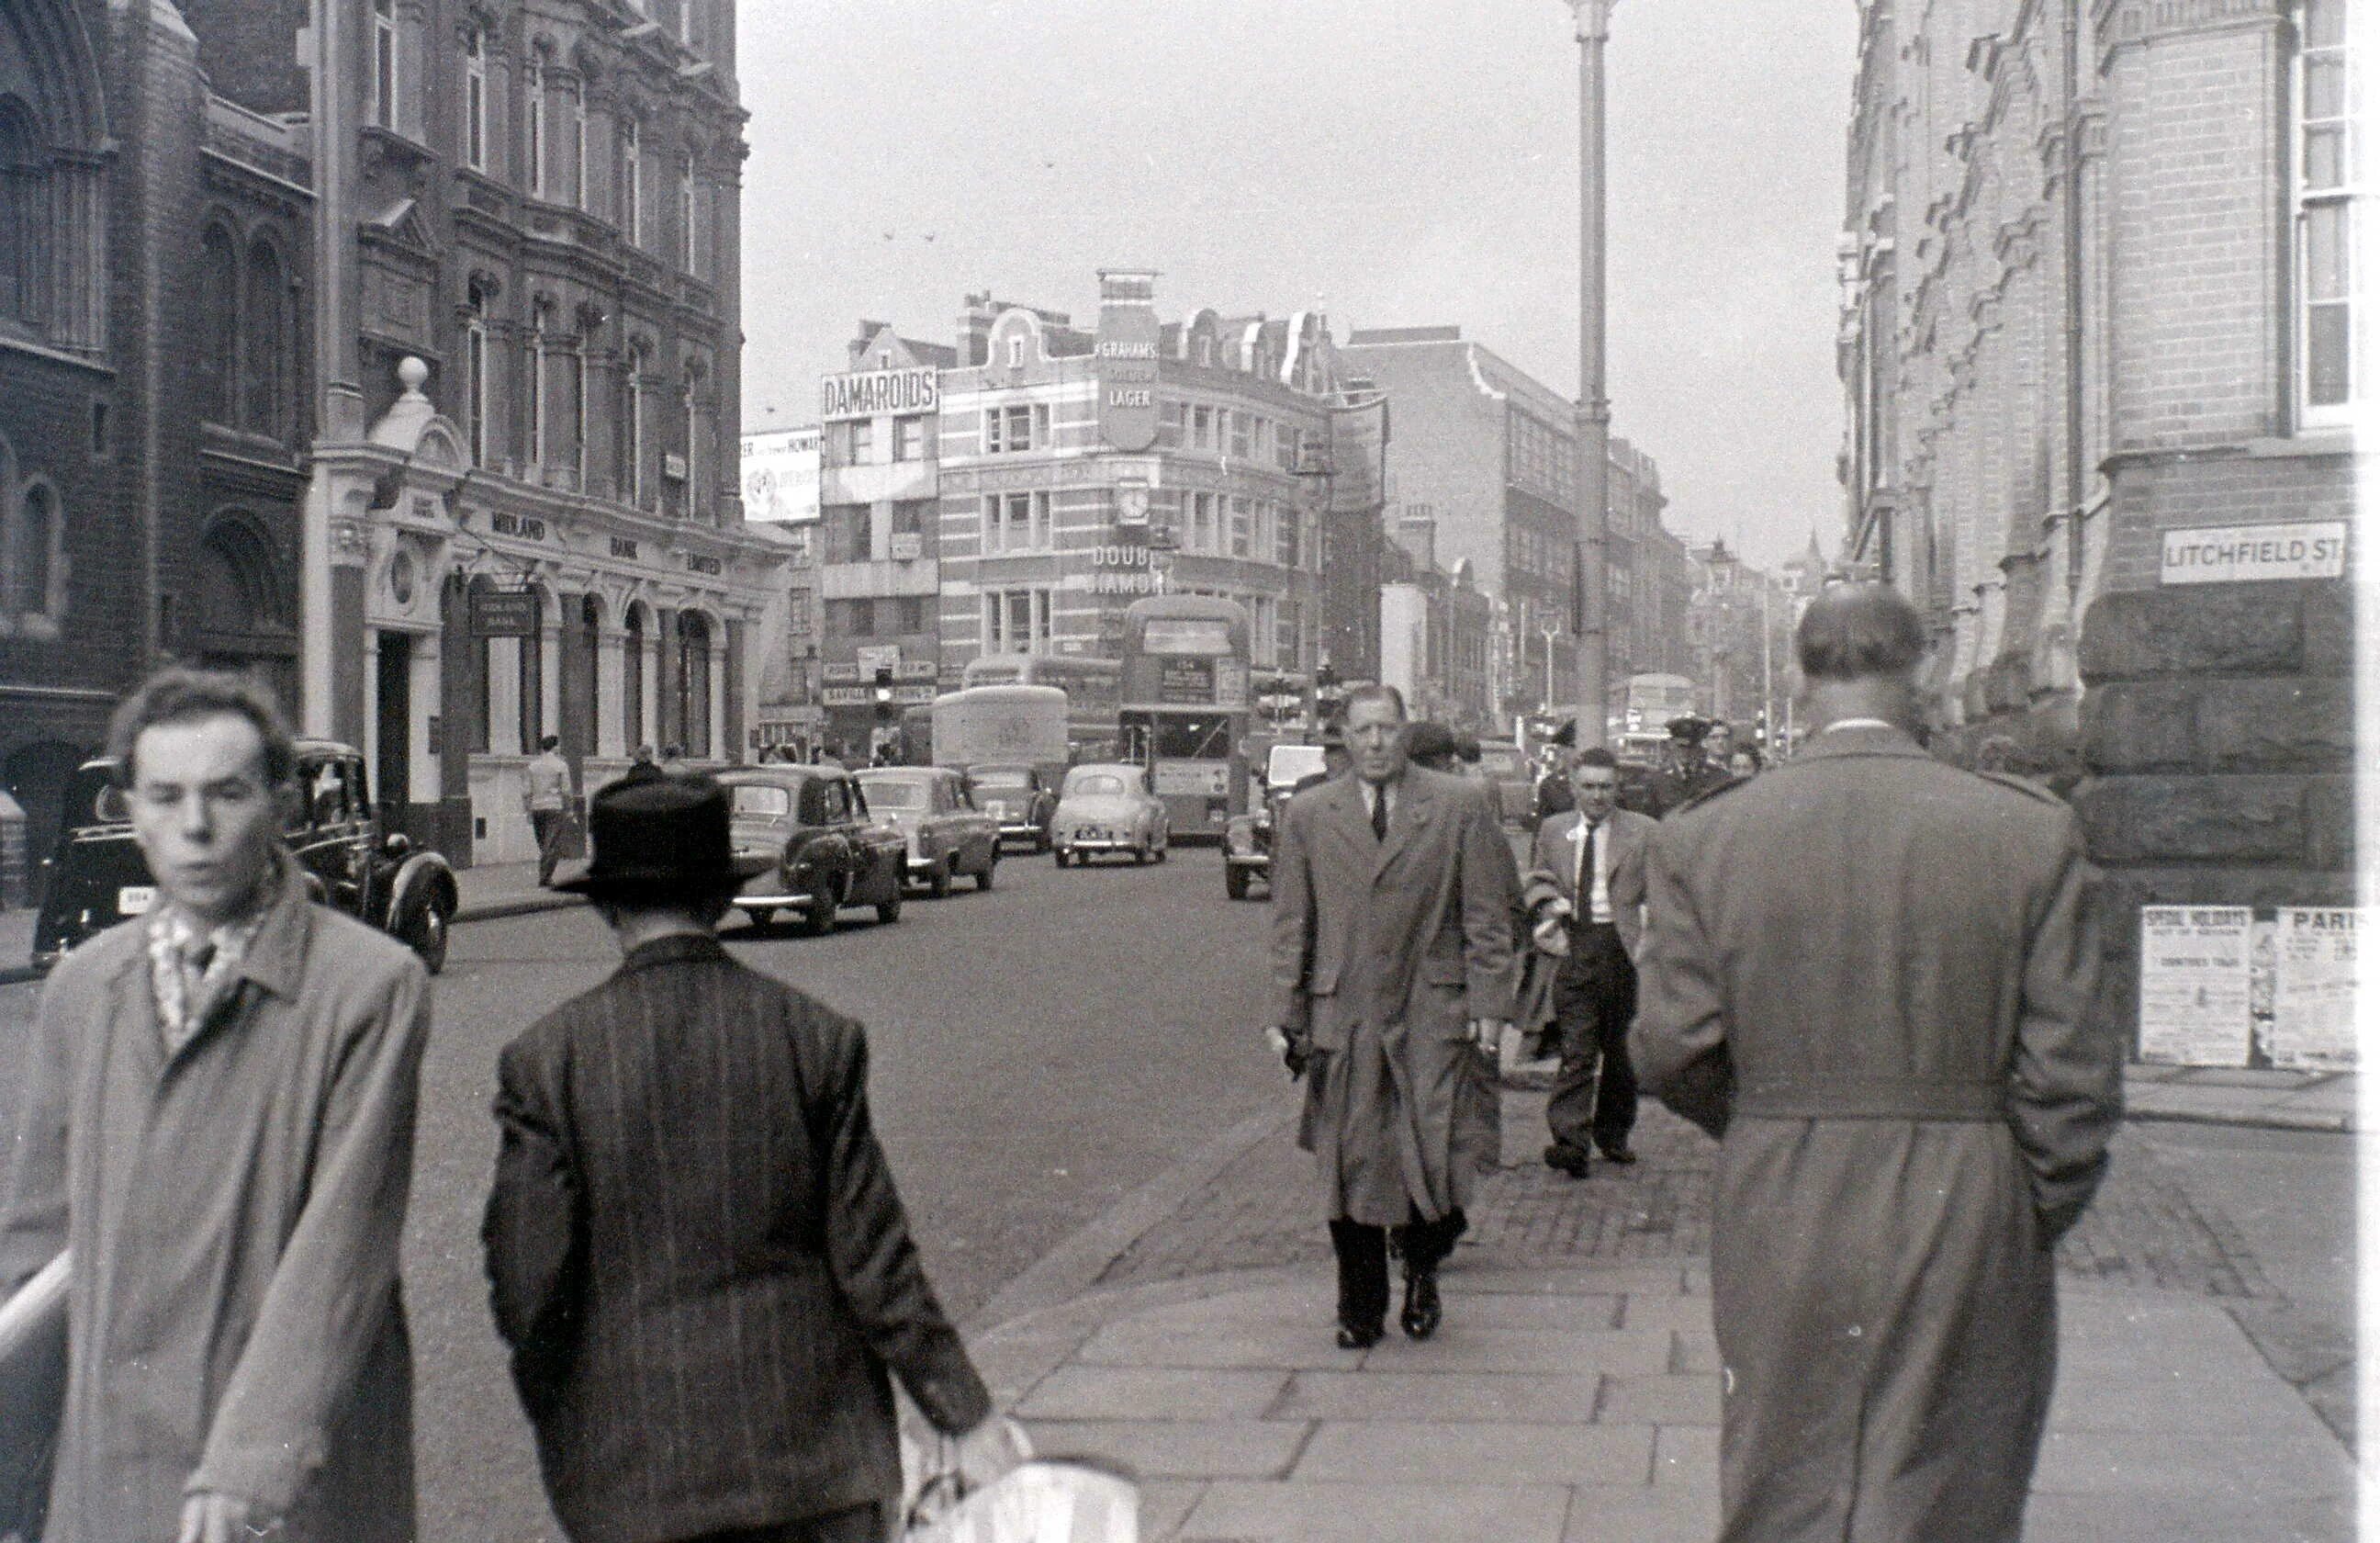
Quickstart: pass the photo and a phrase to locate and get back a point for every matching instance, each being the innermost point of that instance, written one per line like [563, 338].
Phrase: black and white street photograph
[1067, 772]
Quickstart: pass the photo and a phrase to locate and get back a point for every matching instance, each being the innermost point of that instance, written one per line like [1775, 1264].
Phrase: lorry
[1000, 725]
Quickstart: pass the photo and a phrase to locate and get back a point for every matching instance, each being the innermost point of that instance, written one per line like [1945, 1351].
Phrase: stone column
[736, 693]
[353, 640]
[720, 748]
[549, 633]
[667, 728]
[504, 695]
[615, 738]
[426, 670]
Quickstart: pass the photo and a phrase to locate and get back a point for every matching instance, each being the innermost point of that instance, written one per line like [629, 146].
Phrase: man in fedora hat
[697, 1254]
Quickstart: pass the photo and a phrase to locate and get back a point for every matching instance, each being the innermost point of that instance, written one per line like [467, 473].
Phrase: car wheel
[1140, 854]
[1164, 845]
[888, 911]
[820, 919]
[430, 932]
[762, 918]
[1061, 857]
[1041, 841]
[1235, 883]
[939, 881]
[983, 880]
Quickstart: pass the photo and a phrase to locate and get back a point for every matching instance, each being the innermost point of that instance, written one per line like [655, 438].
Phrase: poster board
[2195, 967]
[2313, 987]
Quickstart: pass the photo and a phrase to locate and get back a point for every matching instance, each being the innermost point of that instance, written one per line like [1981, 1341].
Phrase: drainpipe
[2070, 59]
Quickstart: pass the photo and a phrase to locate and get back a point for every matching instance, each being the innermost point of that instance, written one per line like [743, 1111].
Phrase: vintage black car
[1021, 797]
[1248, 838]
[806, 842]
[97, 877]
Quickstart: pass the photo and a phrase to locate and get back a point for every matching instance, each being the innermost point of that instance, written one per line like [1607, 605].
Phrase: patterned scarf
[195, 971]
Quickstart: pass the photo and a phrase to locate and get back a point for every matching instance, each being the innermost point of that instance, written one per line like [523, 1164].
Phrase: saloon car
[947, 835]
[1107, 807]
[1020, 798]
[97, 876]
[806, 842]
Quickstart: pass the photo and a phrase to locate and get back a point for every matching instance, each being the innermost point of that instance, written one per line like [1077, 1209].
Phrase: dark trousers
[1362, 1253]
[871, 1523]
[547, 824]
[1594, 998]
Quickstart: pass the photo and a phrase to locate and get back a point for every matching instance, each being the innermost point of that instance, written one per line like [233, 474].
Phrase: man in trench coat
[1874, 974]
[218, 1118]
[1393, 896]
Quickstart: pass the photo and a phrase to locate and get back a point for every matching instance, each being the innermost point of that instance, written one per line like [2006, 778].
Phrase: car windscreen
[890, 793]
[764, 799]
[1103, 786]
[1003, 779]
[1290, 762]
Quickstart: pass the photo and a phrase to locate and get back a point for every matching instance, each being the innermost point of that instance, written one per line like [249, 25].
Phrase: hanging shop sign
[504, 614]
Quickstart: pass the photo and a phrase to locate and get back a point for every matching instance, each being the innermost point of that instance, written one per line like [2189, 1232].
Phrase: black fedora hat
[661, 837]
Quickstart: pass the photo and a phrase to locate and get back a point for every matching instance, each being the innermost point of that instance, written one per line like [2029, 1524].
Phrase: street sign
[2249, 553]
[504, 614]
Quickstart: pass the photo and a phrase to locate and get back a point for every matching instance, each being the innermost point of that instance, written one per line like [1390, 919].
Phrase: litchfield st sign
[2239, 553]
[878, 393]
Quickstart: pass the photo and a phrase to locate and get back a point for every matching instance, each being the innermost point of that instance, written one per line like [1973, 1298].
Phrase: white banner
[2194, 984]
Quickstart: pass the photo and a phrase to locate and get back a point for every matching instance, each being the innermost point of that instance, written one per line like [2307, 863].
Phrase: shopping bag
[1056, 1499]
[32, 1395]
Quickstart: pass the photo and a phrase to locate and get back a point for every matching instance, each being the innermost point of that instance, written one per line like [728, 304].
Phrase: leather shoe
[1423, 1311]
[1618, 1153]
[1357, 1336]
[1567, 1159]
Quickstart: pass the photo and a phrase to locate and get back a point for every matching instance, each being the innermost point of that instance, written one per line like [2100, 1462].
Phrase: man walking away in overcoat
[1585, 895]
[1875, 975]
[218, 1119]
[1393, 896]
[697, 1254]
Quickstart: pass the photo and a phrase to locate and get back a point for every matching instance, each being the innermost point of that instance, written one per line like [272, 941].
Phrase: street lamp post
[1594, 438]
[1550, 631]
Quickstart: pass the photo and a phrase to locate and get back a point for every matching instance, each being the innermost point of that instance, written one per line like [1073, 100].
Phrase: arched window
[218, 324]
[384, 63]
[686, 212]
[632, 181]
[475, 374]
[694, 681]
[533, 677]
[634, 426]
[265, 359]
[475, 98]
[533, 126]
[25, 216]
[32, 552]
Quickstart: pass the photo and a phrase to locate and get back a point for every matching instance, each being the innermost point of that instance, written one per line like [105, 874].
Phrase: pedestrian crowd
[1871, 976]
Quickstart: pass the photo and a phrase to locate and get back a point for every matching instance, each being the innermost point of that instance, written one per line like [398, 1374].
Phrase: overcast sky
[1396, 163]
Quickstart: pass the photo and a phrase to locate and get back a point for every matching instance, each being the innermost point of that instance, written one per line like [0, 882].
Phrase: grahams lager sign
[1126, 356]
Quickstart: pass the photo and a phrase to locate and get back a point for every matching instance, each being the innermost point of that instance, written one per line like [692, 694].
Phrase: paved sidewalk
[1572, 1395]
[1581, 1405]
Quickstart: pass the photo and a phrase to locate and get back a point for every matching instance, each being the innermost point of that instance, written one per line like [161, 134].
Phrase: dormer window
[1016, 350]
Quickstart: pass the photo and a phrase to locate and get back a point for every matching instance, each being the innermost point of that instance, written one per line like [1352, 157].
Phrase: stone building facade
[1048, 530]
[154, 387]
[1487, 453]
[520, 508]
[2100, 318]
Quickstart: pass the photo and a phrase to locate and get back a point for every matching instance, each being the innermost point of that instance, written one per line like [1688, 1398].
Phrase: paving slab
[1412, 1452]
[1666, 1400]
[1290, 1512]
[1674, 1277]
[1165, 1504]
[1686, 1457]
[1450, 1397]
[1690, 1315]
[1139, 1342]
[1459, 1346]
[1177, 1449]
[1603, 1513]
[2141, 1518]
[1492, 1309]
[1077, 1392]
[2129, 1463]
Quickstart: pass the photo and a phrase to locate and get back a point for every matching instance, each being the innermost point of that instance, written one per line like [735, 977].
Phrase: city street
[1046, 1048]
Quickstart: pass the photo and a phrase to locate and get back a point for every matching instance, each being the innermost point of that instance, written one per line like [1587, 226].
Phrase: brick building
[521, 510]
[1487, 453]
[2097, 273]
[1439, 640]
[153, 381]
[1049, 525]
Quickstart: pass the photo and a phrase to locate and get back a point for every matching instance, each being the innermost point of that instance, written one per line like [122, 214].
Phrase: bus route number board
[1192, 780]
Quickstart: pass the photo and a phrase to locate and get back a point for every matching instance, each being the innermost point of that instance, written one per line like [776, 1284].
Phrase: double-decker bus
[1184, 712]
[1093, 687]
[1653, 700]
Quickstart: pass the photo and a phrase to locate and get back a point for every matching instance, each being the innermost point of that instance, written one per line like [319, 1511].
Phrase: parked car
[947, 835]
[1107, 807]
[806, 841]
[1247, 839]
[1020, 798]
[98, 877]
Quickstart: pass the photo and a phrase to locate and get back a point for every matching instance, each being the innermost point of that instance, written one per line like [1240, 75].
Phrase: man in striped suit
[697, 1254]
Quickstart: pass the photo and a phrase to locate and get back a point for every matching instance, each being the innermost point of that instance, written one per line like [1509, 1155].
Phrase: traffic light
[885, 709]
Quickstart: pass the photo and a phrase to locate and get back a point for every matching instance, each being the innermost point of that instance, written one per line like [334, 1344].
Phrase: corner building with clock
[1083, 469]
[522, 512]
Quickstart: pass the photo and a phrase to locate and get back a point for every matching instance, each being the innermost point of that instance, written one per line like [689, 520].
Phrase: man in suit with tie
[697, 1254]
[1391, 950]
[1584, 895]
